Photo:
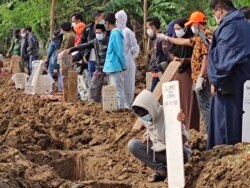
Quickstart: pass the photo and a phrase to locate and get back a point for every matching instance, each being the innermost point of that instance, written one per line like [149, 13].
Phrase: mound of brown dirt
[56, 144]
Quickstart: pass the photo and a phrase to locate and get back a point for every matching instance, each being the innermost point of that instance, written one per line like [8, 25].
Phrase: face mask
[194, 30]
[99, 36]
[23, 35]
[179, 33]
[102, 22]
[147, 117]
[73, 24]
[150, 32]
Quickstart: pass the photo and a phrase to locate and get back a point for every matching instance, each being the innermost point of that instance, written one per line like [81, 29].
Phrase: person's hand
[213, 90]
[144, 137]
[199, 83]
[176, 59]
[181, 116]
[124, 68]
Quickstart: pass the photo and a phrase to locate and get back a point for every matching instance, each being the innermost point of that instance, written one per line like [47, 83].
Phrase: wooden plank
[246, 115]
[166, 77]
[109, 99]
[72, 86]
[15, 59]
[173, 134]
[66, 64]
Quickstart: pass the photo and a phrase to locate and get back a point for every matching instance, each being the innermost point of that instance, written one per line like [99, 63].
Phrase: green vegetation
[20, 13]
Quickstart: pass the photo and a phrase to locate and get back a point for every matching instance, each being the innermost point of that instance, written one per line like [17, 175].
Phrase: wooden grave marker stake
[109, 99]
[15, 59]
[72, 86]
[167, 76]
[173, 134]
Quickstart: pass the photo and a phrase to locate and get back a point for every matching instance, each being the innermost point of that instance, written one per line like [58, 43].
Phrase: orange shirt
[79, 28]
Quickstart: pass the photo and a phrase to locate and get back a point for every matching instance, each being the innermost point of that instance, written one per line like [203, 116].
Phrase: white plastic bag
[44, 85]
[20, 80]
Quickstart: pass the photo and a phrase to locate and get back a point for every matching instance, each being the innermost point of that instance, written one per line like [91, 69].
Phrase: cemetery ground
[48, 143]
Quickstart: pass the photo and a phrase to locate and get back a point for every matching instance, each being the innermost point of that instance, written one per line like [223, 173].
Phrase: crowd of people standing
[214, 67]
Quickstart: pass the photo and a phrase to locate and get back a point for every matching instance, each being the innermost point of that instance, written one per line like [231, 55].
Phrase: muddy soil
[46, 143]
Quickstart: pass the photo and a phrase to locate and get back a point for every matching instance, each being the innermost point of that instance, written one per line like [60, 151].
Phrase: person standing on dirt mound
[131, 50]
[160, 50]
[89, 35]
[33, 47]
[78, 26]
[15, 44]
[51, 58]
[100, 45]
[115, 62]
[228, 69]
[200, 43]
[24, 61]
[151, 149]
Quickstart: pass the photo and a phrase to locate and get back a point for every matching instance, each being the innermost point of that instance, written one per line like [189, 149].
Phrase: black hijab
[183, 51]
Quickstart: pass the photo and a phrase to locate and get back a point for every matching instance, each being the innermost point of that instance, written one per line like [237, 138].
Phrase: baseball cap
[196, 17]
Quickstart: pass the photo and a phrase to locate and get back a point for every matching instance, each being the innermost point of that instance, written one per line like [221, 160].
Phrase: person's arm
[11, 47]
[84, 46]
[176, 41]
[119, 47]
[135, 49]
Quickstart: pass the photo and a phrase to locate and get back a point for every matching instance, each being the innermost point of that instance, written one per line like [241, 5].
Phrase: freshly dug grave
[54, 144]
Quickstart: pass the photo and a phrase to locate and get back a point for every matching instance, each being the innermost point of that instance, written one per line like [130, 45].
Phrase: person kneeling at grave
[151, 149]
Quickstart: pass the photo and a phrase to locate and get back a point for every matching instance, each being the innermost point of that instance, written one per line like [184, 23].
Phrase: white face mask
[150, 32]
[179, 33]
[102, 22]
[73, 24]
[194, 30]
[99, 36]
[23, 35]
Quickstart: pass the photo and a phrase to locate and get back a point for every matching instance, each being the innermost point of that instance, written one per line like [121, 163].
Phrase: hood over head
[121, 19]
[147, 101]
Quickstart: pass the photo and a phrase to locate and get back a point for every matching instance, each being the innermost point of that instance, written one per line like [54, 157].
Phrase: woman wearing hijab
[183, 75]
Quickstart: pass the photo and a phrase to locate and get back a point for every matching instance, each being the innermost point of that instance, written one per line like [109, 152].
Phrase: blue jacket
[230, 47]
[53, 47]
[115, 59]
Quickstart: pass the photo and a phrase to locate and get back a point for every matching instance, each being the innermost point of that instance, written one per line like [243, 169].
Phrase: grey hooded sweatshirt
[156, 129]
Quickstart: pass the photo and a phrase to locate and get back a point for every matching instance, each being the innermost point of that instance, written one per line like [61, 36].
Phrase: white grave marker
[246, 115]
[173, 133]
[109, 99]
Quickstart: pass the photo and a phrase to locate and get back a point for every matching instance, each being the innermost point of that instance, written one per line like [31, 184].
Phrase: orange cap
[196, 17]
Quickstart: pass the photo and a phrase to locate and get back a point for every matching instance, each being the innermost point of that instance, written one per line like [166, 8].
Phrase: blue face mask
[99, 36]
[147, 117]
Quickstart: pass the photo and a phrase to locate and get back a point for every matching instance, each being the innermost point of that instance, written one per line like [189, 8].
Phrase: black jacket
[100, 48]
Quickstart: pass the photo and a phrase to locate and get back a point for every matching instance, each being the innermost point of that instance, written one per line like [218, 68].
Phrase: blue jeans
[155, 81]
[116, 79]
[91, 68]
[51, 69]
[203, 98]
[139, 150]
[31, 59]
